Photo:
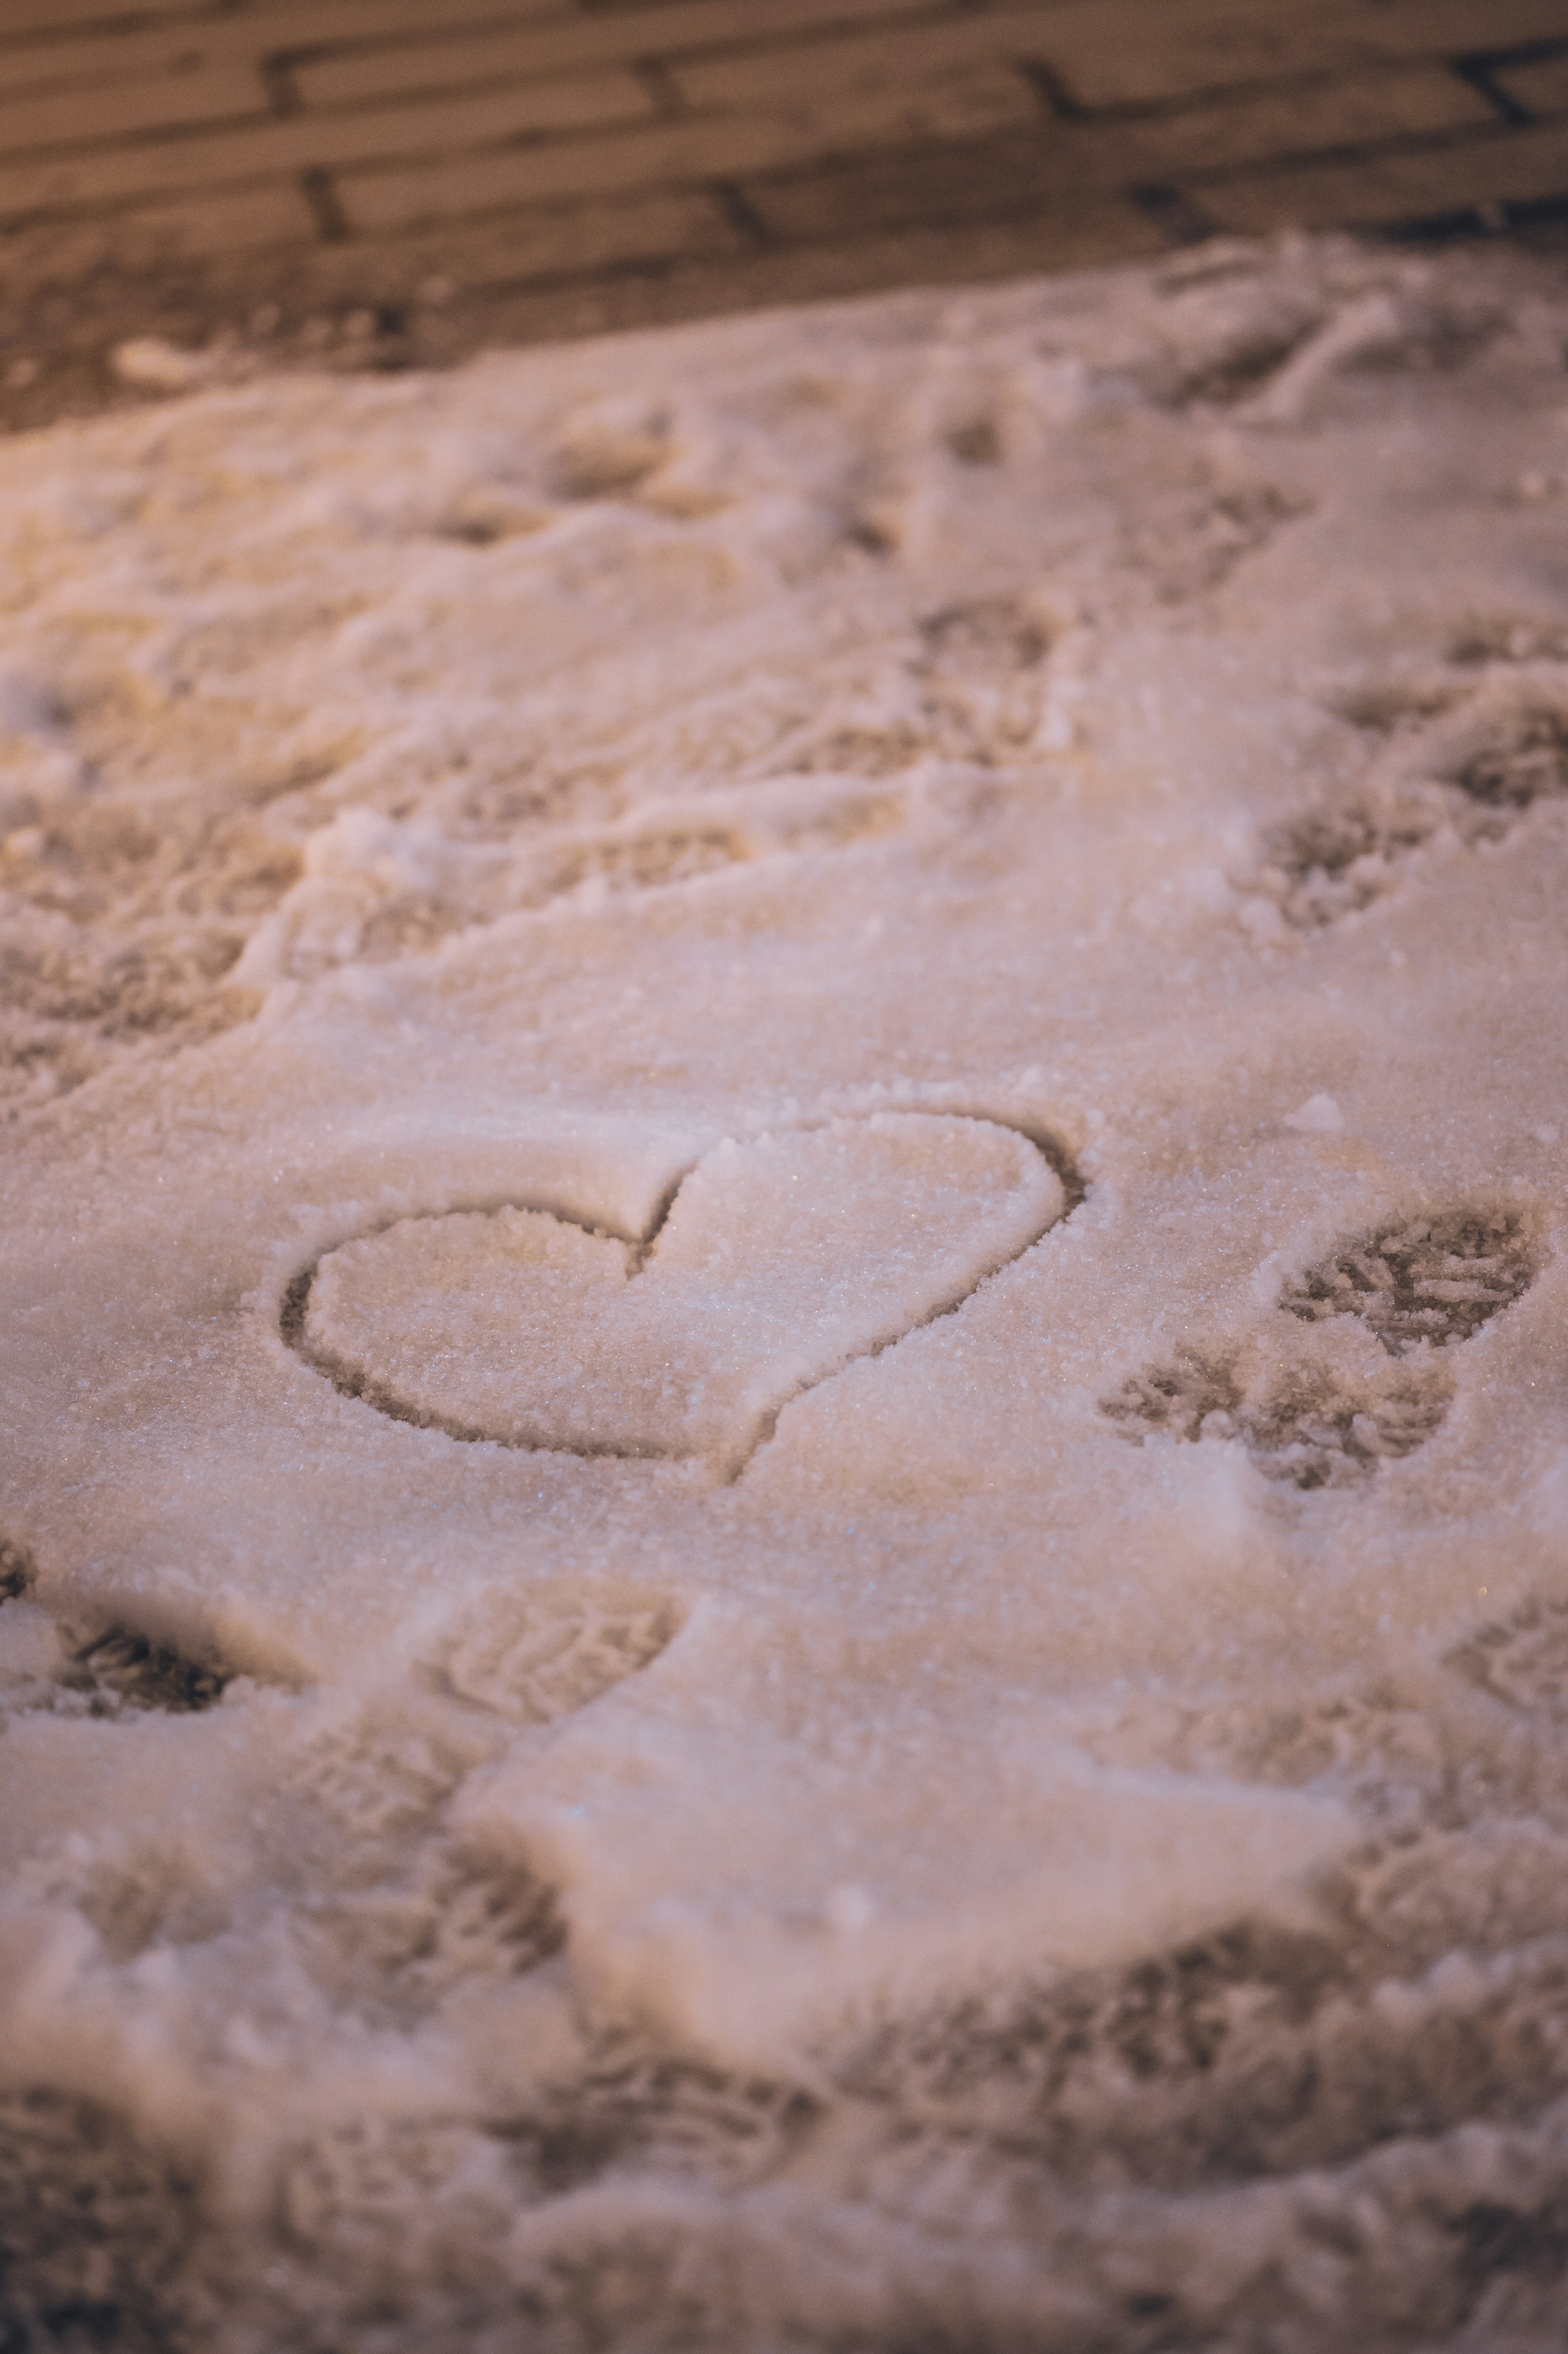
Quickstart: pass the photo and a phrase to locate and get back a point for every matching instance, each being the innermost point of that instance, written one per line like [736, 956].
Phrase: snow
[1320, 1112]
[777, 1263]
[785, 1484]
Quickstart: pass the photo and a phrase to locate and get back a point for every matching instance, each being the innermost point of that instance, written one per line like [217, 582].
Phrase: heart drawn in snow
[778, 1262]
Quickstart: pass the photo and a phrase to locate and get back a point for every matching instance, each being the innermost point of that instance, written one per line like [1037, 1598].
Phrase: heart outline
[353, 1381]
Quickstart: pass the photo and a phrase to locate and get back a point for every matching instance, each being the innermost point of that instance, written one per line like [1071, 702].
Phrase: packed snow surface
[785, 1416]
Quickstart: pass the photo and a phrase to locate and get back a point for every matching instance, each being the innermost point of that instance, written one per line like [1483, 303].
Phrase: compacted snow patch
[783, 1552]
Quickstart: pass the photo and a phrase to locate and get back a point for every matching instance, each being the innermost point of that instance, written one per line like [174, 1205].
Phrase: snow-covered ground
[786, 1478]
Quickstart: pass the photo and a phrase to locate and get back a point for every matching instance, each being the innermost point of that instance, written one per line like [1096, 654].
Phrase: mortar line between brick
[279, 86]
[320, 192]
[1478, 72]
[1058, 98]
[1519, 53]
[742, 214]
[654, 76]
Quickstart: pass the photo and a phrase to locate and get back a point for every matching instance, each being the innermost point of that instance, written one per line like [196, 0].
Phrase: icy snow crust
[786, 1510]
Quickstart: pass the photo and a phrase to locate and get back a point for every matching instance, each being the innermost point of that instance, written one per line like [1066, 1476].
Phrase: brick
[367, 77]
[49, 23]
[567, 41]
[967, 253]
[1452, 27]
[939, 106]
[140, 46]
[1148, 51]
[105, 176]
[1516, 167]
[872, 108]
[1541, 88]
[397, 198]
[779, 74]
[238, 224]
[246, 221]
[140, 55]
[310, 23]
[1339, 111]
[112, 108]
[541, 246]
[561, 241]
[1105, 61]
[1012, 177]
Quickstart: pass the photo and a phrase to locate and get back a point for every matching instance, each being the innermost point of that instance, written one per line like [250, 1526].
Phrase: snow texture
[784, 1547]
